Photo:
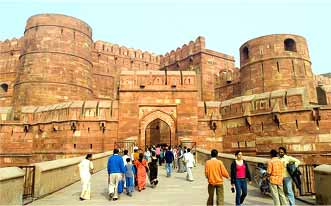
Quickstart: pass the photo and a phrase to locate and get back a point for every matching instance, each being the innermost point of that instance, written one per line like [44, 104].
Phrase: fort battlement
[188, 50]
[10, 45]
[129, 53]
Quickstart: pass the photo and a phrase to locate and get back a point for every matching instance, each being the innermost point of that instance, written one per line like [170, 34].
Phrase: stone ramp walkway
[174, 190]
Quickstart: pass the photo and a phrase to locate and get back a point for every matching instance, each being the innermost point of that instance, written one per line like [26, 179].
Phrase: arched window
[290, 45]
[4, 87]
[245, 53]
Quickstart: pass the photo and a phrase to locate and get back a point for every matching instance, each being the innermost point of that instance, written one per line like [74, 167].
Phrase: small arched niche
[245, 53]
[290, 45]
[4, 87]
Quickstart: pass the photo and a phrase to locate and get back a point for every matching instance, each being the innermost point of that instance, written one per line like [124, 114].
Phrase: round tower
[55, 61]
[274, 62]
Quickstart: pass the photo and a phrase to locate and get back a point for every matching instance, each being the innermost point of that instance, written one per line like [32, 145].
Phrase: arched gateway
[166, 124]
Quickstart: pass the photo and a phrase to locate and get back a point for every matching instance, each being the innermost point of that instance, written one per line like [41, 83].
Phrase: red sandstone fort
[63, 94]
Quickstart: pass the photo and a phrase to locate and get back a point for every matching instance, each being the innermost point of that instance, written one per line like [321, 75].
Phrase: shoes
[129, 194]
[81, 199]
[114, 199]
[111, 195]
[144, 188]
[156, 182]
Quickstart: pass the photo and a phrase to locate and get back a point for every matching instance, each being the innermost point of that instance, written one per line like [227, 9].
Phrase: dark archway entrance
[157, 132]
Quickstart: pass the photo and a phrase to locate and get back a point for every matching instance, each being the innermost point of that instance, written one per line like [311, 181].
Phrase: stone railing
[54, 175]
[323, 184]
[11, 186]
[50, 177]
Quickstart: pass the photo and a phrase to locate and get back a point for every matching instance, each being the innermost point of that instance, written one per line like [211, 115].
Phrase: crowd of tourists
[280, 171]
[130, 171]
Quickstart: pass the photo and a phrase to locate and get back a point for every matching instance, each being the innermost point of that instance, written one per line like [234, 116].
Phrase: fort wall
[59, 131]
[9, 63]
[55, 61]
[255, 124]
[206, 63]
[64, 95]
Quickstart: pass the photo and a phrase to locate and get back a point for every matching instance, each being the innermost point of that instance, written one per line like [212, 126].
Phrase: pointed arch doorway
[157, 132]
[157, 127]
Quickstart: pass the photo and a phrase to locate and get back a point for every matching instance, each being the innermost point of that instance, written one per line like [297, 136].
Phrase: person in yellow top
[287, 180]
[215, 171]
[275, 171]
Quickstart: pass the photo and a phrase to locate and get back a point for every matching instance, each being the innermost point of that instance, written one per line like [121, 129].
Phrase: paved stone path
[174, 190]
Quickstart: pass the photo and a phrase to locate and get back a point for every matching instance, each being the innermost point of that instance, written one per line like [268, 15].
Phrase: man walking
[169, 158]
[275, 171]
[190, 162]
[215, 171]
[116, 172]
[287, 180]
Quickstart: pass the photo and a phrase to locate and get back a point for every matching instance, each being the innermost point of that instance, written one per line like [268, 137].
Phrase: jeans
[168, 169]
[129, 184]
[241, 190]
[219, 194]
[288, 189]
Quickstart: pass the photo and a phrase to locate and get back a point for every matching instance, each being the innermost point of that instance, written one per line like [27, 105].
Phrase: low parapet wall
[11, 186]
[322, 184]
[54, 175]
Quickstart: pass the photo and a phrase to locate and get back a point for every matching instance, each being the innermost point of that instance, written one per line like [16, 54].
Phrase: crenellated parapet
[117, 51]
[157, 80]
[9, 45]
[183, 52]
[322, 80]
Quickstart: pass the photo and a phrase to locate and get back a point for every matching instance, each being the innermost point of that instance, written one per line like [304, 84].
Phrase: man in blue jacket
[116, 172]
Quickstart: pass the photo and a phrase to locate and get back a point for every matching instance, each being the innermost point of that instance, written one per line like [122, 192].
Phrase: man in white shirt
[125, 156]
[189, 160]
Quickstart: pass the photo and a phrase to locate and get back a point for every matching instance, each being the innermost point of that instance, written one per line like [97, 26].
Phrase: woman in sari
[85, 170]
[141, 165]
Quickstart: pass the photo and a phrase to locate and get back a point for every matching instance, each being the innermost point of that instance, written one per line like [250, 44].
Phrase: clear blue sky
[160, 26]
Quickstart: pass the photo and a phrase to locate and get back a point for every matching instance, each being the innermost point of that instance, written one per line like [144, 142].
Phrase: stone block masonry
[62, 94]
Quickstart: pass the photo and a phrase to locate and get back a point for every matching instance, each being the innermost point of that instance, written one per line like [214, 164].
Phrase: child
[129, 176]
